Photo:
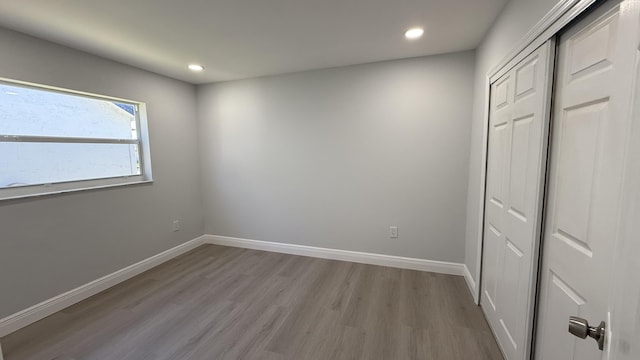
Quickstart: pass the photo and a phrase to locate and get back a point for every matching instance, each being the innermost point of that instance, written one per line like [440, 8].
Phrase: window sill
[71, 187]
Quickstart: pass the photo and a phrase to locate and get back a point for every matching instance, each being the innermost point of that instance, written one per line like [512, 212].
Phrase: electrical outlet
[176, 225]
[393, 232]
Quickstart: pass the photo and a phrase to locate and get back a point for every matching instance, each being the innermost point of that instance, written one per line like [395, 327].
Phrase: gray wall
[517, 18]
[332, 158]
[53, 244]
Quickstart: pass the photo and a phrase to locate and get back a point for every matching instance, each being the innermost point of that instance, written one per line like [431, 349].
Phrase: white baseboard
[471, 284]
[344, 255]
[48, 307]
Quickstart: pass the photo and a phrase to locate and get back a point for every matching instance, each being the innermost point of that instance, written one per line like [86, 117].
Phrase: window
[54, 140]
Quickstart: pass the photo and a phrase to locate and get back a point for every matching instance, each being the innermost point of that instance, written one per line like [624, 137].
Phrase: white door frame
[560, 15]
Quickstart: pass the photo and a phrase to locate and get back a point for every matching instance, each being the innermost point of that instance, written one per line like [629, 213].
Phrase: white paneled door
[597, 68]
[517, 154]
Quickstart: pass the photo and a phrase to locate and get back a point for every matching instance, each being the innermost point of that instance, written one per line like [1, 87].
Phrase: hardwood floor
[222, 303]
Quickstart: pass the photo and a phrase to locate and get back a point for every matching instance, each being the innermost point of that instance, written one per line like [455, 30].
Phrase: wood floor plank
[225, 303]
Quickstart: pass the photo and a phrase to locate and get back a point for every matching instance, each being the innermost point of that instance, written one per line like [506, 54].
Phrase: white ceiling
[236, 39]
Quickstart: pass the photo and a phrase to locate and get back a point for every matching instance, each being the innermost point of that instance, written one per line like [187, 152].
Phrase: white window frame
[11, 193]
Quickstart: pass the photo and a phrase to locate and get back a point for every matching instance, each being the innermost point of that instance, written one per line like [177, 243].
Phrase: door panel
[566, 301]
[518, 129]
[589, 135]
[526, 78]
[510, 286]
[576, 174]
[519, 160]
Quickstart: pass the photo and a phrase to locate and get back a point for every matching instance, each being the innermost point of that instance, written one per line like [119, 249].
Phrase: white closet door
[517, 154]
[596, 67]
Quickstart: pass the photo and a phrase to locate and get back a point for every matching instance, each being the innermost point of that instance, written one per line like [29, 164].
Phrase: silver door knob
[580, 328]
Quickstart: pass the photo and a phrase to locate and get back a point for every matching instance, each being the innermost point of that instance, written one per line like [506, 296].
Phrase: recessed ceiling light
[195, 67]
[414, 33]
